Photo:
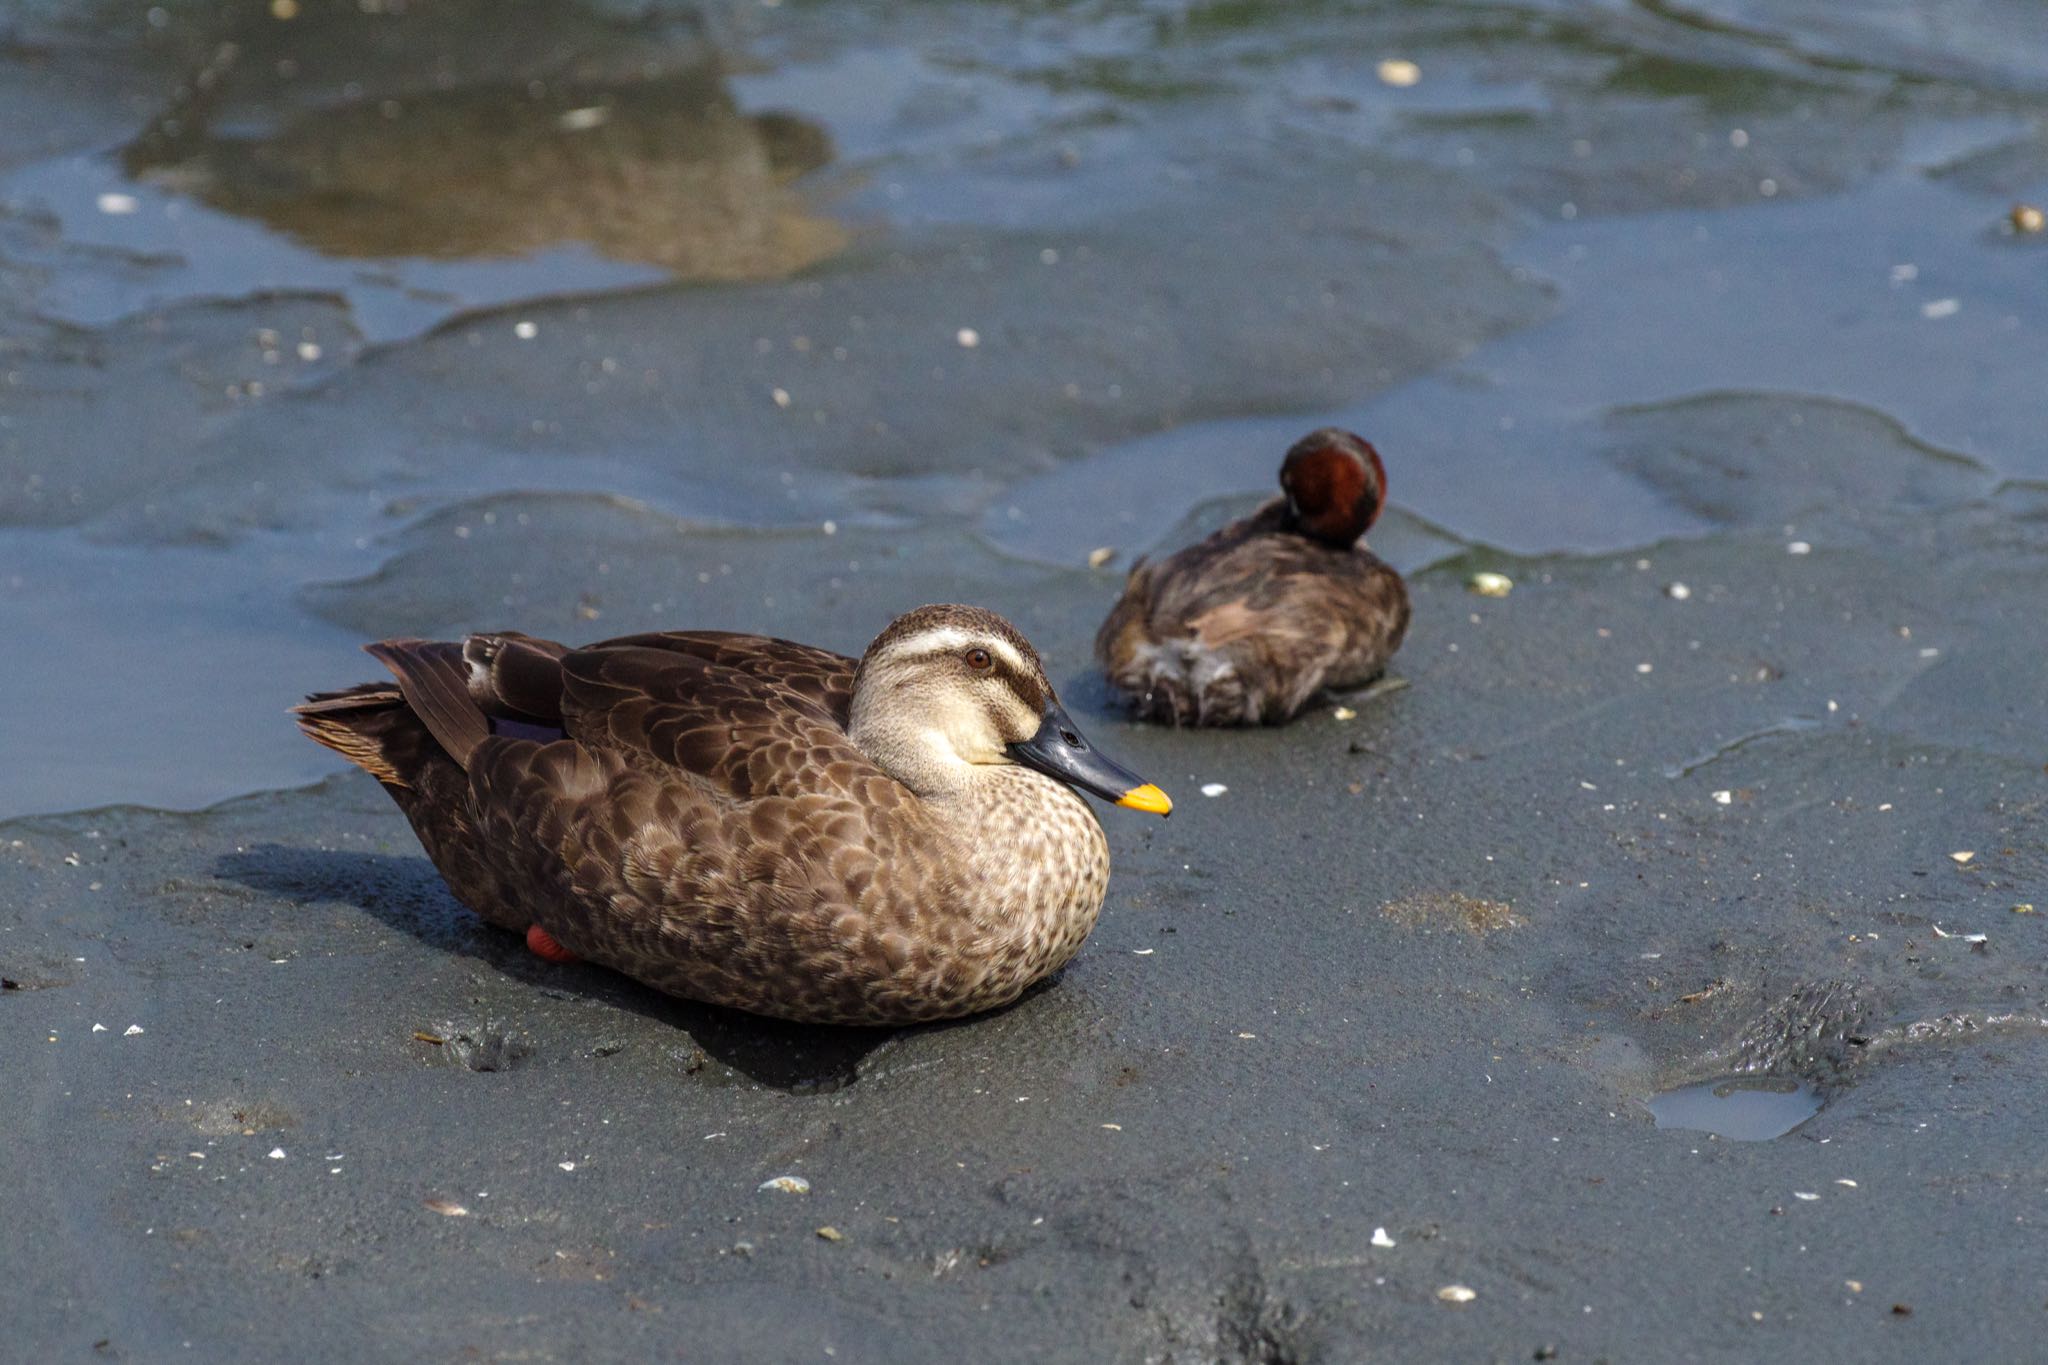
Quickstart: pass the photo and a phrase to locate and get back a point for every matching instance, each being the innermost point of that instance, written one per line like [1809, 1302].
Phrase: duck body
[1248, 626]
[697, 809]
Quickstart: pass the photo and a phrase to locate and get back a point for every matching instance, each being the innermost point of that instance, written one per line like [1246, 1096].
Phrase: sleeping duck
[752, 822]
[1250, 624]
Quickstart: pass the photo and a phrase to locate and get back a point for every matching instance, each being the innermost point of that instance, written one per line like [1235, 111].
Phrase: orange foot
[543, 945]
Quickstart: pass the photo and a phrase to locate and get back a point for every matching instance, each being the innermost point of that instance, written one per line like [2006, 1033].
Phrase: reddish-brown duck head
[1335, 485]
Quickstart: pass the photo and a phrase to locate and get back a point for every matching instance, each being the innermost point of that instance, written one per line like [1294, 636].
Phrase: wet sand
[1379, 1020]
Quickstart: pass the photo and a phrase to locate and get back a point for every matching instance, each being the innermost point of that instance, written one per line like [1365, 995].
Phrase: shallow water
[1745, 1108]
[283, 296]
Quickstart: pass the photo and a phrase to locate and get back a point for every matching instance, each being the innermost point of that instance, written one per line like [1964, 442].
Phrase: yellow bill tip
[1147, 798]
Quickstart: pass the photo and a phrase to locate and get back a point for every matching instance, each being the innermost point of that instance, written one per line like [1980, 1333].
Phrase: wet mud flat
[1739, 791]
[328, 1106]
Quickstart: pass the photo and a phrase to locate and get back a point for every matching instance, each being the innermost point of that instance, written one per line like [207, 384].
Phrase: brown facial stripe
[1028, 689]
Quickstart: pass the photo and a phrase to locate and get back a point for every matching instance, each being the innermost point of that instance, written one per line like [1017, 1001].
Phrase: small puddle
[1745, 1108]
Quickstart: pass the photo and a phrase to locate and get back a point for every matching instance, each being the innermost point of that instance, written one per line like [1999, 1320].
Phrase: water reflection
[645, 159]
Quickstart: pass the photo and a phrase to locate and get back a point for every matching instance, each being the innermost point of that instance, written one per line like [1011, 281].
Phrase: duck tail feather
[355, 723]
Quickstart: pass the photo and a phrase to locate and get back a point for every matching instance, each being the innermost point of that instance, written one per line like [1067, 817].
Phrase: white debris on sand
[1488, 584]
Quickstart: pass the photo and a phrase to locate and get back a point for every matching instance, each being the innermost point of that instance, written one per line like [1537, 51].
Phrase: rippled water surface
[586, 317]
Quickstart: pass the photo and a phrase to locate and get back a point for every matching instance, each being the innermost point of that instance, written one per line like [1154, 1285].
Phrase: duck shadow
[409, 895]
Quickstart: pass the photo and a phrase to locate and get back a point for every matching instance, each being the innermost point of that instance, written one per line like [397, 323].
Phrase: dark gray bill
[1059, 751]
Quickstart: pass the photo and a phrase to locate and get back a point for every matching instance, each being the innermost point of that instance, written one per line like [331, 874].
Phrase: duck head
[1335, 485]
[948, 691]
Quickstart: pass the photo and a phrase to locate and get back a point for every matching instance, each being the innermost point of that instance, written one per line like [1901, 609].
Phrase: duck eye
[978, 660]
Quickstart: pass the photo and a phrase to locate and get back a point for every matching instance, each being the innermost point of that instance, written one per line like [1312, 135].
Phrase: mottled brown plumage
[750, 821]
[1249, 625]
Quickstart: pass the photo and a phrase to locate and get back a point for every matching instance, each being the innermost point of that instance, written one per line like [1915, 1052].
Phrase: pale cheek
[967, 743]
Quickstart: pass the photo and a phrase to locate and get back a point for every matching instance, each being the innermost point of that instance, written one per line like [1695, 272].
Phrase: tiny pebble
[1380, 1238]
[1677, 592]
[584, 119]
[2026, 908]
[447, 1208]
[277, 1154]
[566, 1165]
[309, 350]
[1457, 1293]
[1940, 308]
[831, 1234]
[1962, 857]
[1101, 555]
[102, 1028]
[131, 1031]
[968, 337]
[1213, 789]
[1399, 72]
[1491, 584]
[1723, 798]
[781, 397]
[118, 204]
[787, 1184]
[525, 331]
[1799, 547]
[2028, 218]
[1803, 1195]
[1345, 713]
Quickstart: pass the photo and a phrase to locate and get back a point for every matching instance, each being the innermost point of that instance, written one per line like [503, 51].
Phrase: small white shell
[1457, 1293]
[787, 1184]
[1488, 584]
